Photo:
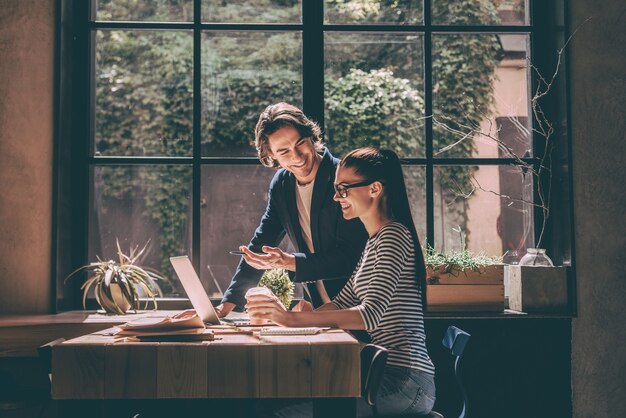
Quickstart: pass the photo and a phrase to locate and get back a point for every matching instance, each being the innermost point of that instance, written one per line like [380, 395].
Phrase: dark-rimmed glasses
[342, 189]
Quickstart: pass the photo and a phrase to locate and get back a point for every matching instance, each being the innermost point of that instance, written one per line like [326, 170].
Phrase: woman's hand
[303, 306]
[267, 307]
[271, 258]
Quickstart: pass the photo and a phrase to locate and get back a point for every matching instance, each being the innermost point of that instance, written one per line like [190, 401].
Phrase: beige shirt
[304, 195]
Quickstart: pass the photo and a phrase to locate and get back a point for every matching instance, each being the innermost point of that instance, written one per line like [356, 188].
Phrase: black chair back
[455, 340]
[373, 361]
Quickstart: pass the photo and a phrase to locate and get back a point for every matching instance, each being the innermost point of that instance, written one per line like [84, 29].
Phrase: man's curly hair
[277, 116]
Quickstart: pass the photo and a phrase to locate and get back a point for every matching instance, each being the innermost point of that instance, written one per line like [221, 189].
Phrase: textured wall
[26, 86]
[598, 93]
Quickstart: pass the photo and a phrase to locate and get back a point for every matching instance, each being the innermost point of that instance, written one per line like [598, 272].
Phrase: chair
[374, 358]
[373, 361]
[455, 340]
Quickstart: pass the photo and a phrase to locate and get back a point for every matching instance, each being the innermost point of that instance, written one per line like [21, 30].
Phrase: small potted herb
[278, 281]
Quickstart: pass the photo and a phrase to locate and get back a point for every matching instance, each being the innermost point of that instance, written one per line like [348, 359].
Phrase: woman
[384, 294]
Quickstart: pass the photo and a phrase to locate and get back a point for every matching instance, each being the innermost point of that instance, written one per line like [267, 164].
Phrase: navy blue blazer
[338, 243]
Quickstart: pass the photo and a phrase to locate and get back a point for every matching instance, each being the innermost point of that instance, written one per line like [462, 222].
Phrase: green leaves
[374, 109]
[457, 260]
[278, 281]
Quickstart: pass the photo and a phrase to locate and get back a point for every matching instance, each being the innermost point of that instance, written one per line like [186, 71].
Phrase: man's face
[294, 153]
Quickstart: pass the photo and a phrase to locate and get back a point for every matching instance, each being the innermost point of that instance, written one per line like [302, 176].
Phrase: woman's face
[359, 200]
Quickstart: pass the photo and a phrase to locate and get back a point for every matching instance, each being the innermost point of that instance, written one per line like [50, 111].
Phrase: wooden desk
[323, 367]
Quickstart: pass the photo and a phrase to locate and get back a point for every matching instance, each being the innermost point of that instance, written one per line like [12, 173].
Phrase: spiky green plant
[278, 281]
[128, 276]
[458, 260]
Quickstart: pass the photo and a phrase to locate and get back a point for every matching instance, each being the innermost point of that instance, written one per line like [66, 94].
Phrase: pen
[236, 252]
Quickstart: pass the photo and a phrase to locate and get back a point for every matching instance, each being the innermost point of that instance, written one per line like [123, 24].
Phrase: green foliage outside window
[374, 109]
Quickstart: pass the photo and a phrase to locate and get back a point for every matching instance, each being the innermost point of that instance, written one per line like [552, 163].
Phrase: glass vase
[536, 257]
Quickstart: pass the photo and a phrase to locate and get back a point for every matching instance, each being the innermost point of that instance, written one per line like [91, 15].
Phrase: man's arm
[269, 232]
[340, 259]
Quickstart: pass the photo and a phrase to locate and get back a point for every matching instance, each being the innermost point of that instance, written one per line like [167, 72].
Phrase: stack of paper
[185, 326]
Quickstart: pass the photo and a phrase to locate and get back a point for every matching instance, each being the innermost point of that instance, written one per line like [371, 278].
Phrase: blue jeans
[402, 391]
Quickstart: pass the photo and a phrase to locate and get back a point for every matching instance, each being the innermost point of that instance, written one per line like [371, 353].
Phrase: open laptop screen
[194, 289]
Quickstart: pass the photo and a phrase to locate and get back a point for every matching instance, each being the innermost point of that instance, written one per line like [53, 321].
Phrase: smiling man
[300, 205]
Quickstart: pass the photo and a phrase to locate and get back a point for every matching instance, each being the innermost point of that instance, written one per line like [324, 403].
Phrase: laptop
[198, 297]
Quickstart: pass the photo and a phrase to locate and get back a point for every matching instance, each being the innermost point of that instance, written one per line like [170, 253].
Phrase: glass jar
[511, 257]
[536, 257]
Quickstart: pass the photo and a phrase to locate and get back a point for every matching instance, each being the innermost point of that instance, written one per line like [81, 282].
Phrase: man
[300, 205]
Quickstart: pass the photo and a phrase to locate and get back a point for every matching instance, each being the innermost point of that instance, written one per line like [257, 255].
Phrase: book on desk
[182, 327]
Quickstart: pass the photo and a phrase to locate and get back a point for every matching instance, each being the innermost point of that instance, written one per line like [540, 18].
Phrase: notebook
[290, 331]
[198, 297]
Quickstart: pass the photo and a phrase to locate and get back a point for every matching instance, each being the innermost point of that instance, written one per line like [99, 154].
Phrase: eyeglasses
[342, 189]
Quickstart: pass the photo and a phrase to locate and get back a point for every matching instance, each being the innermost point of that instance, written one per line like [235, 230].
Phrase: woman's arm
[263, 307]
[330, 306]
[338, 318]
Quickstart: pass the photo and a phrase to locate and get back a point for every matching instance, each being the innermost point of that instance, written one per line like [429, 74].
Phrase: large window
[170, 90]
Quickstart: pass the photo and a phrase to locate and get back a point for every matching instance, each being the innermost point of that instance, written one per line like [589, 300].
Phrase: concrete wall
[598, 94]
[26, 129]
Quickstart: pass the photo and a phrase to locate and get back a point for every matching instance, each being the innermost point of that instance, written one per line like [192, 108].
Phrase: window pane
[408, 12]
[415, 181]
[252, 11]
[150, 10]
[233, 199]
[143, 93]
[140, 204]
[491, 204]
[480, 12]
[242, 73]
[480, 96]
[374, 92]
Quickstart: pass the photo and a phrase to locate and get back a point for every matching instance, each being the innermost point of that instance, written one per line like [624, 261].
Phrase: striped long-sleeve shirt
[386, 293]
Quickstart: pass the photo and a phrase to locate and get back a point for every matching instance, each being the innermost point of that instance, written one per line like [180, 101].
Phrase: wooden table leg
[334, 407]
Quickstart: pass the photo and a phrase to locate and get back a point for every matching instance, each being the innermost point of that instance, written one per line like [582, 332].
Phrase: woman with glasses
[384, 293]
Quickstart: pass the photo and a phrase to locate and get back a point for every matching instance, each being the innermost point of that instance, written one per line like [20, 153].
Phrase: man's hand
[271, 258]
[224, 309]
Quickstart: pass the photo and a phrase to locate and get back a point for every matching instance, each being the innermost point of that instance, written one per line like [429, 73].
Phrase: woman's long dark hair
[384, 166]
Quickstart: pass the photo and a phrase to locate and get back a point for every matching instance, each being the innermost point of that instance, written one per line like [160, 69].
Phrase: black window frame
[74, 104]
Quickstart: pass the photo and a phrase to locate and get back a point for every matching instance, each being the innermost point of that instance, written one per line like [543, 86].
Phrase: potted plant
[278, 281]
[463, 281]
[118, 285]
